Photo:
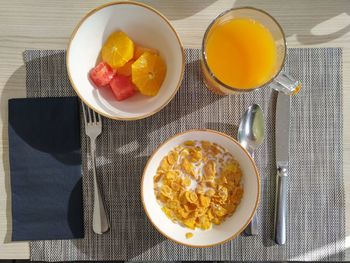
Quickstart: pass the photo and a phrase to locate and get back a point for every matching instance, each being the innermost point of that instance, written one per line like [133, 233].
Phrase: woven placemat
[316, 227]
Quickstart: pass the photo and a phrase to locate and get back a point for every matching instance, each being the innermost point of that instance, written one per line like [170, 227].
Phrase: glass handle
[286, 84]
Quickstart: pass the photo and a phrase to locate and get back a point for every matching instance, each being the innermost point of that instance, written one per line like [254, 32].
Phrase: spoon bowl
[251, 131]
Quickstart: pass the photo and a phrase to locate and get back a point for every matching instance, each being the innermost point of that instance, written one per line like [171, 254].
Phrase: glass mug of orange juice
[244, 49]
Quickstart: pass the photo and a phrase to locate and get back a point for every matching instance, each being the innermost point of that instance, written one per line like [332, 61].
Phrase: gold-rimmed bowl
[218, 234]
[147, 27]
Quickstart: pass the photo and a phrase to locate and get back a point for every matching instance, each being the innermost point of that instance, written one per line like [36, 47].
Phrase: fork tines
[90, 117]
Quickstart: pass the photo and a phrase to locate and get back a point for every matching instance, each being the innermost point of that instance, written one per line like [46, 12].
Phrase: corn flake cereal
[198, 184]
[189, 235]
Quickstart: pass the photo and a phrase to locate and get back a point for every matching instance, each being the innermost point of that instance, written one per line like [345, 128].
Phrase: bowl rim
[216, 133]
[77, 27]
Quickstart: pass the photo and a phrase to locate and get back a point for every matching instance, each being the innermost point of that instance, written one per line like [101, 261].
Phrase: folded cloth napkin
[45, 168]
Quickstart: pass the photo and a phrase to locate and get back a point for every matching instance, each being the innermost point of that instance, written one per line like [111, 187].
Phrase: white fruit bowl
[146, 27]
[218, 234]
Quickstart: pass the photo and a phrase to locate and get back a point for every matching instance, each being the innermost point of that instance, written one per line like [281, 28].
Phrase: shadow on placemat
[123, 148]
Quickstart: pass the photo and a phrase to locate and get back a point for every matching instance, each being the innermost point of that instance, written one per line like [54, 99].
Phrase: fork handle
[100, 222]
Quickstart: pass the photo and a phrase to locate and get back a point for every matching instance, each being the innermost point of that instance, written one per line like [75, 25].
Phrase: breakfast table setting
[175, 130]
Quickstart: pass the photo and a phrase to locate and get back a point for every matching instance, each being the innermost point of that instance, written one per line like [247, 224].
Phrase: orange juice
[241, 53]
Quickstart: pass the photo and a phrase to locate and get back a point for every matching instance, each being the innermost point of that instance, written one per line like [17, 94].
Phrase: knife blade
[282, 161]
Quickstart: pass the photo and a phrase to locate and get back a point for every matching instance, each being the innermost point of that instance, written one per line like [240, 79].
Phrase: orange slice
[139, 50]
[118, 49]
[148, 73]
[126, 69]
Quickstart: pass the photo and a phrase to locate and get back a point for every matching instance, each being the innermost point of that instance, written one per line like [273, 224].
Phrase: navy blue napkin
[45, 168]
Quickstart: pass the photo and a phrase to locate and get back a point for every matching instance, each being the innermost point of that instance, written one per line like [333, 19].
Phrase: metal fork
[93, 128]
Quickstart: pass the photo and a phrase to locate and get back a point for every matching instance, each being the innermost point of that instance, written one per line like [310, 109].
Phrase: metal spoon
[250, 135]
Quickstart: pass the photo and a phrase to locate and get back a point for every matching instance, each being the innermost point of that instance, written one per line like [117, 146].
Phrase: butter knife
[282, 160]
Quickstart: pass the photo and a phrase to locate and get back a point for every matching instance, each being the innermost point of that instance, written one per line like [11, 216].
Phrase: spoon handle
[252, 228]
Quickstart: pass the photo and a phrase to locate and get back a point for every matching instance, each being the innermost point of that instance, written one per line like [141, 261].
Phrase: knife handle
[280, 206]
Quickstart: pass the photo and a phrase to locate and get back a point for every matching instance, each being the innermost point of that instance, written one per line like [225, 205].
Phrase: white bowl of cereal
[200, 188]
